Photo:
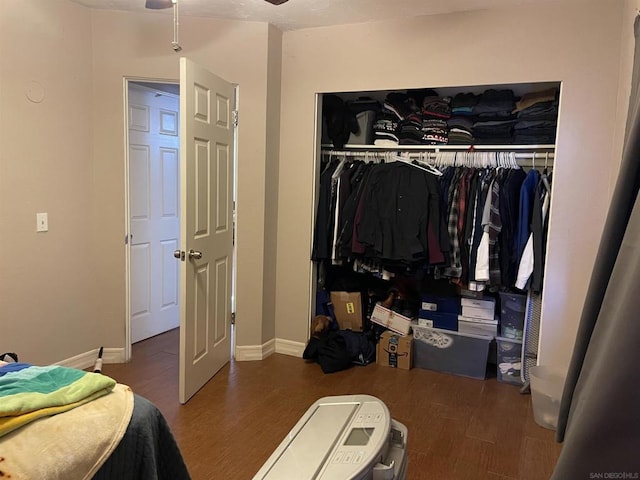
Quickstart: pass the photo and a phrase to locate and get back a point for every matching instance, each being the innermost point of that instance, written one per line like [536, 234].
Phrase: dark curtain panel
[600, 411]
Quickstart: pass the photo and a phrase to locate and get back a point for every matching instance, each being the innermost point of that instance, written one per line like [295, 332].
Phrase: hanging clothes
[454, 269]
[485, 177]
[527, 193]
[466, 224]
[321, 239]
[509, 208]
[532, 259]
[358, 181]
[401, 201]
[488, 266]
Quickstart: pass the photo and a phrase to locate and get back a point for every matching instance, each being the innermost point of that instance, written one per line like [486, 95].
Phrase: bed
[61, 423]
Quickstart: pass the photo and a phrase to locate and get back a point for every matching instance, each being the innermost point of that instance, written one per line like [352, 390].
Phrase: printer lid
[333, 429]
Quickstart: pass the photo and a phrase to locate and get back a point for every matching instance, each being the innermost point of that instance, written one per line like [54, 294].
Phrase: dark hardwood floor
[459, 428]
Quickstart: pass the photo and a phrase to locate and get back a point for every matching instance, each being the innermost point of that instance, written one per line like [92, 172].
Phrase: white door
[206, 180]
[154, 221]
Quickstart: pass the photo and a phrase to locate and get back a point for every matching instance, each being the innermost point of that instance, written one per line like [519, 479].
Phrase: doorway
[152, 123]
[154, 209]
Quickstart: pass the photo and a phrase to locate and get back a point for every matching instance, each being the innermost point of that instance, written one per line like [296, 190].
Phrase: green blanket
[29, 392]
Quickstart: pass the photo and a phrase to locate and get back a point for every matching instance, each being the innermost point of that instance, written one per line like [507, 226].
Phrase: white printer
[349, 437]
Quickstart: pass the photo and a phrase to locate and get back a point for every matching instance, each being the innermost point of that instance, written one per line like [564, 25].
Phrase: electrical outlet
[42, 222]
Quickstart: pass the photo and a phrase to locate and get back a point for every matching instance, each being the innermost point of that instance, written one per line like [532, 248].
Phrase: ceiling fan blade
[277, 2]
[158, 4]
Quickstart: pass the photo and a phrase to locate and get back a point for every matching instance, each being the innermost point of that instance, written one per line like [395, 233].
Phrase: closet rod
[524, 159]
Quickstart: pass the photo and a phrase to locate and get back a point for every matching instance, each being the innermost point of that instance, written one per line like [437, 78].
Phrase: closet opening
[432, 208]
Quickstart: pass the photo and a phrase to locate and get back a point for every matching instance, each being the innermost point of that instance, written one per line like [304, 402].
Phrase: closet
[432, 194]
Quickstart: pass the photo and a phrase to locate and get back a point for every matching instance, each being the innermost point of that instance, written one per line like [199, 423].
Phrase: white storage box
[391, 320]
[478, 312]
[486, 303]
[477, 326]
[484, 309]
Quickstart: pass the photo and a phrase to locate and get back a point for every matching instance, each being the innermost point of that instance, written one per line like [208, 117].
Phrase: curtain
[599, 420]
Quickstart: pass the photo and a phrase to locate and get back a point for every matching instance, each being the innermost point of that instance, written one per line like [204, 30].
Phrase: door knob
[179, 254]
[194, 255]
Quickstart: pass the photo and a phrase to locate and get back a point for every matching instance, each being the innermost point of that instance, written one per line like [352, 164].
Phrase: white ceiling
[297, 14]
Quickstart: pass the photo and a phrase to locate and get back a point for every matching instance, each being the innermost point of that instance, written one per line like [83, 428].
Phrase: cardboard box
[391, 320]
[347, 307]
[395, 350]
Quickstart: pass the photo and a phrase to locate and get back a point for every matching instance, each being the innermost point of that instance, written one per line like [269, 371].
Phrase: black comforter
[147, 451]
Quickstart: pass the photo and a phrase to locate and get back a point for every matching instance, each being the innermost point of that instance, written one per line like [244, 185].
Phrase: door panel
[206, 188]
[169, 162]
[202, 183]
[222, 300]
[154, 208]
[201, 313]
[140, 261]
[139, 176]
[170, 274]
[223, 212]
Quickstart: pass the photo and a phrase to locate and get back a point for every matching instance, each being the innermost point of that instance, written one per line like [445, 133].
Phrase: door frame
[125, 88]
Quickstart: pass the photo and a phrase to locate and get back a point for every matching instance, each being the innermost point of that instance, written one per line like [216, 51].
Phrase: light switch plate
[42, 222]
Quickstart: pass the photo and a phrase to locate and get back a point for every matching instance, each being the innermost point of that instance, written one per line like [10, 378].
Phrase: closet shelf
[437, 148]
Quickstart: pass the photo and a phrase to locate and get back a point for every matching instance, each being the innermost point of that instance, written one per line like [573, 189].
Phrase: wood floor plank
[459, 428]
[505, 458]
[535, 462]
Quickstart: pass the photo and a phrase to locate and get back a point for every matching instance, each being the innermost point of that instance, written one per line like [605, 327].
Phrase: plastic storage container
[513, 308]
[509, 353]
[547, 384]
[450, 352]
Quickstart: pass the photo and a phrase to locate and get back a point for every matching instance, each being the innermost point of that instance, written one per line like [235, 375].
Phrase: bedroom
[77, 270]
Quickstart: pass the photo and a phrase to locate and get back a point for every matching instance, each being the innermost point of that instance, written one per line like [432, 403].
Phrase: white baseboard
[289, 347]
[88, 359]
[255, 352]
[276, 345]
[242, 353]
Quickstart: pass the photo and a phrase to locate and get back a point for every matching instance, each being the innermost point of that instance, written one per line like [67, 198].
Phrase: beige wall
[236, 51]
[272, 173]
[578, 46]
[46, 279]
[63, 293]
